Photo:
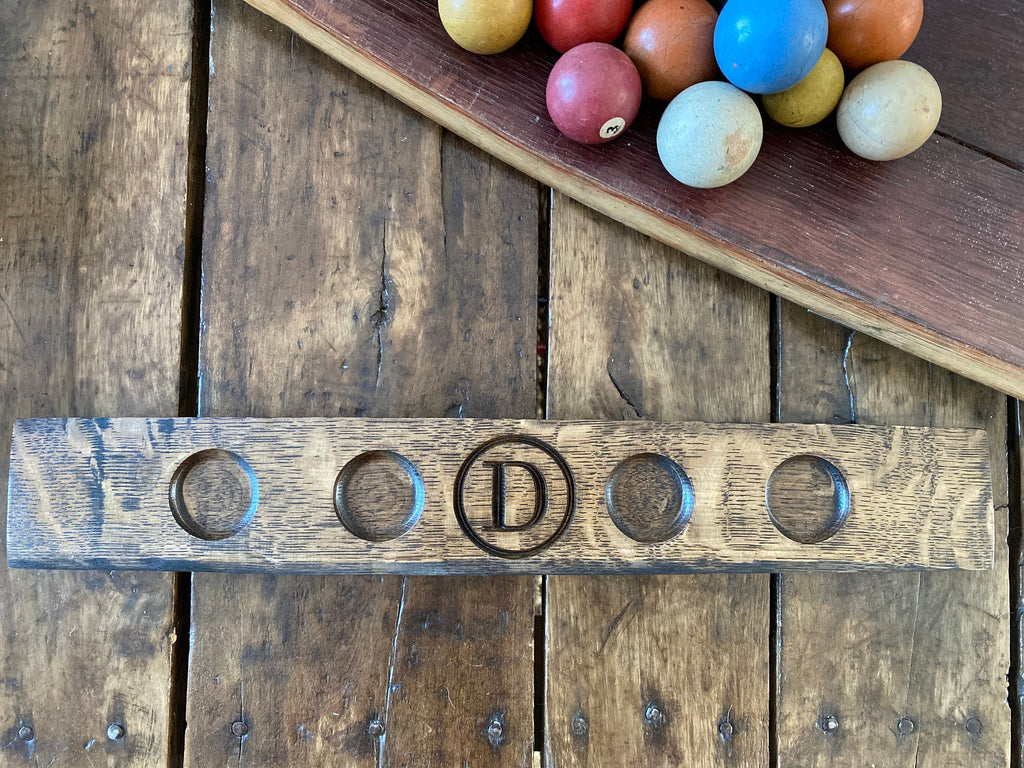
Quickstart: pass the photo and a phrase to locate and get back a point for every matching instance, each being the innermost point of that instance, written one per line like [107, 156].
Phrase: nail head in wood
[579, 727]
[496, 730]
[26, 733]
[115, 732]
[239, 728]
[654, 716]
[905, 727]
[829, 725]
[973, 726]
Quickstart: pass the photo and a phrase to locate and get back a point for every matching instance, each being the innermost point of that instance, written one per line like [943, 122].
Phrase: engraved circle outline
[460, 488]
[179, 509]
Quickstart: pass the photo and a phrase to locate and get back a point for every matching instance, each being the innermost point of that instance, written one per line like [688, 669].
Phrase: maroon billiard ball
[593, 93]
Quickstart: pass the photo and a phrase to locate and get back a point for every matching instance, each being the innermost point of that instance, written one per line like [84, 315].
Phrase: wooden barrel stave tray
[924, 252]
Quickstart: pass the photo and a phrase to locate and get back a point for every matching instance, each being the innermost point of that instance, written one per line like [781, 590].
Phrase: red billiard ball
[565, 24]
[593, 93]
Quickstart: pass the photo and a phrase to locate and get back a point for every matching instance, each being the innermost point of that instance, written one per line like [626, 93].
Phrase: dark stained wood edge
[991, 352]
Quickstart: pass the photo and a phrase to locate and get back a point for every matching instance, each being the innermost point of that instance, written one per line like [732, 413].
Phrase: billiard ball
[672, 44]
[593, 93]
[812, 99]
[709, 135]
[865, 32]
[889, 110]
[564, 24]
[485, 26]
[765, 47]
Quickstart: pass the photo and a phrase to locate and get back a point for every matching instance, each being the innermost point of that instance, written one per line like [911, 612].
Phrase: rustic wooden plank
[495, 496]
[92, 193]
[853, 240]
[357, 262]
[894, 669]
[971, 47]
[1015, 543]
[639, 332]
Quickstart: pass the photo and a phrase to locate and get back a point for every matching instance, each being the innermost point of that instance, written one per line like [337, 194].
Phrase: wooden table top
[202, 215]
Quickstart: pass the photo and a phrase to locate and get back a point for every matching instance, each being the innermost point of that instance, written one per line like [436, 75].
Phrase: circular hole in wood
[213, 494]
[649, 497]
[808, 499]
[379, 495]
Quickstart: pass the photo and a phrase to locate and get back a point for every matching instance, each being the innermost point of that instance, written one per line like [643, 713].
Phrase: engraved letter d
[498, 490]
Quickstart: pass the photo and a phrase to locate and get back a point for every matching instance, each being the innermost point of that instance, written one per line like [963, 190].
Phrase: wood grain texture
[470, 495]
[911, 669]
[923, 252]
[639, 332]
[969, 47]
[1015, 545]
[356, 262]
[92, 195]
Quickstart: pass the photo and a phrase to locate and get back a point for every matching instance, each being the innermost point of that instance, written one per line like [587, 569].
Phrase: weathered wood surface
[357, 261]
[92, 195]
[90, 276]
[653, 670]
[972, 48]
[1015, 545]
[890, 669]
[495, 496]
[923, 252]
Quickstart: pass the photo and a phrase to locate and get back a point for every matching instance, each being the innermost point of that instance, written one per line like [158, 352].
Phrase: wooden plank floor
[93, 168]
[200, 213]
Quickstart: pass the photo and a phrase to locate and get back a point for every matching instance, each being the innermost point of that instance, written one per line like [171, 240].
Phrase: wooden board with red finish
[923, 252]
[972, 47]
